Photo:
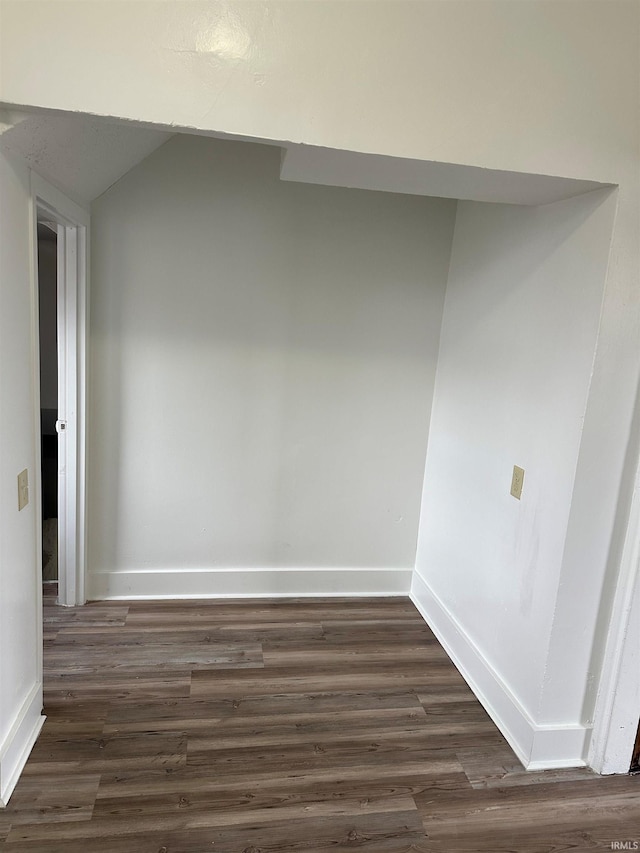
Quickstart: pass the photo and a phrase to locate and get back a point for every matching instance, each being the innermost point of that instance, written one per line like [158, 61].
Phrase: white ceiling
[81, 154]
[84, 155]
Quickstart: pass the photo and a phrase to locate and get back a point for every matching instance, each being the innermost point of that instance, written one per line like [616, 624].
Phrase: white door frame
[615, 721]
[73, 239]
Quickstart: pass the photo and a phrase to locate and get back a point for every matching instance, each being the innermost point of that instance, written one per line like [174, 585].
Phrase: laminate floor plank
[111, 747]
[304, 656]
[395, 832]
[245, 814]
[187, 786]
[118, 687]
[62, 707]
[86, 617]
[377, 630]
[206, 684]
[435, 695]
[372, 739]
[70, 800]
[288, 726]
[499, 768]
[524, 815]
[407, 777]
[185, 633]
[159, 656]
[332, 615]
[259, 707]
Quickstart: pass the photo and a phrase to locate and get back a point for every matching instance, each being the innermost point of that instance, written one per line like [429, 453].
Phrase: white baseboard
[538, 747]
[19, 742]
[247, 583]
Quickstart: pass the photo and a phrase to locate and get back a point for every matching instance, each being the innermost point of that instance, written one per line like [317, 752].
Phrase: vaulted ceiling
[81, 154]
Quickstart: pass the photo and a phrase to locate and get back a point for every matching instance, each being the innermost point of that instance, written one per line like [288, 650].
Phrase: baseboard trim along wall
[247, 583]
[19, 742]
[539, 747]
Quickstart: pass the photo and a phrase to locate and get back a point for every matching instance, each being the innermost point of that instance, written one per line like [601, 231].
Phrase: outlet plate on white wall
[23, 489]
[517, 482]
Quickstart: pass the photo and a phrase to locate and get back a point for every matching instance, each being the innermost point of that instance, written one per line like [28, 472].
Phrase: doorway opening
[47, 233]
[60, 314]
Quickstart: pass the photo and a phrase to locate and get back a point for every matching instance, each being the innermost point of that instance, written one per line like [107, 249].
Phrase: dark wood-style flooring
[322, 726]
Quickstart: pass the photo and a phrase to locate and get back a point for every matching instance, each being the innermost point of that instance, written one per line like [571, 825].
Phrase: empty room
[347, 439]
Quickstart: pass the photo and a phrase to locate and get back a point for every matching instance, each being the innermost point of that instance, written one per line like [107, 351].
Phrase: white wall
[20, 692]
[518, 341]
[263, 356]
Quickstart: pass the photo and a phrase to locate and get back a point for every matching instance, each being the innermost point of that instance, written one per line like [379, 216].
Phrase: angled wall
[518, 342]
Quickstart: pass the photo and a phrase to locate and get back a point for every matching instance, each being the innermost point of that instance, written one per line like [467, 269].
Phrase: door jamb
[615, 720]
[73, 238]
